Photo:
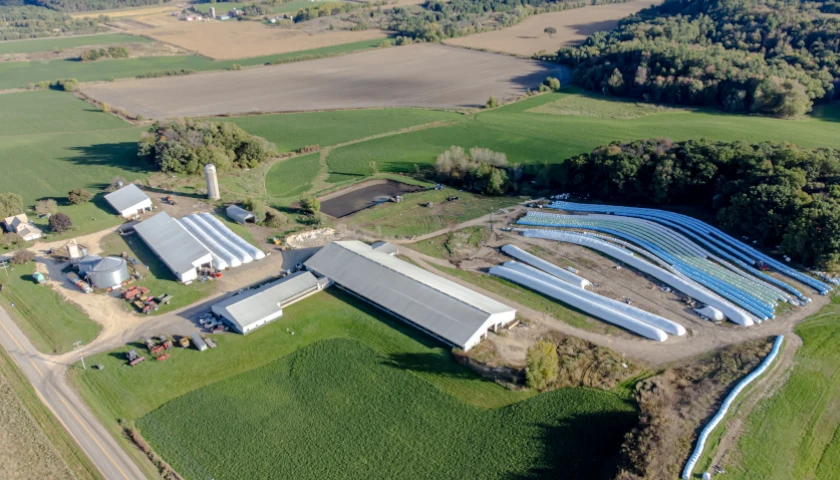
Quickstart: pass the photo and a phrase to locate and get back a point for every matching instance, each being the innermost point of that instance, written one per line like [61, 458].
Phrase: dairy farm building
[444, 309]
[175, 246]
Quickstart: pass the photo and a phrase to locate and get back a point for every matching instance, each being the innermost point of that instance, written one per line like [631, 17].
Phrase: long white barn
[442, 308]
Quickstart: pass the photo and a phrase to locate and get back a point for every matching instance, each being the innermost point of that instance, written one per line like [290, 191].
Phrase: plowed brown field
[425, 75]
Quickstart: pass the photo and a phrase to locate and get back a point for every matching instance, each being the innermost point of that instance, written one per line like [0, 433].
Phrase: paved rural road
[49, 381]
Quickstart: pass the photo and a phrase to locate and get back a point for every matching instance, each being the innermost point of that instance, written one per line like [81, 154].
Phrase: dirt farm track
[426, 75]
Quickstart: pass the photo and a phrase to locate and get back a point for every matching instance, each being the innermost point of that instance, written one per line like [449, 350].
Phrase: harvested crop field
[573, 26]
[413, 76]
[235, 40]
[362, 196]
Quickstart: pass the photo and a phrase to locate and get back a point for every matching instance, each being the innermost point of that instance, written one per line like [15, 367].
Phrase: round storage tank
[109, 272]
[87, 263]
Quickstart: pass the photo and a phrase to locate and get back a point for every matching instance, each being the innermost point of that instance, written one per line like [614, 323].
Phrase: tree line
[769, 57]
[778, 194]
[22, 22]
[81, 5]
[186, 147]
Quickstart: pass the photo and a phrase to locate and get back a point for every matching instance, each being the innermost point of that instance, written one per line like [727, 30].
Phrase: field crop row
[377, 420]
[20, 74]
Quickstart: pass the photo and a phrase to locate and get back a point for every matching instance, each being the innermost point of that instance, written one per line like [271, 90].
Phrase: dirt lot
[365, 195]
[231, 40]
[411, 76]
[573, 26]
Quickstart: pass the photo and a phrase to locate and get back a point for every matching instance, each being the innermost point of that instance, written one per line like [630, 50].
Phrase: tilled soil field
[434, 76]
[573, 26]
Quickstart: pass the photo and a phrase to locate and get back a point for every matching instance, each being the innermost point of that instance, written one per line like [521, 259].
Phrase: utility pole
[76, 346]
[4, 264]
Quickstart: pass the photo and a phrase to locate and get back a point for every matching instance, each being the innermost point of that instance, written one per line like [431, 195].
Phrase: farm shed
[240, 215]
[385, 247]
[20, 224]
[252, 309]
[108, 272]
[176, 247]
[439, 307]
[129, 201]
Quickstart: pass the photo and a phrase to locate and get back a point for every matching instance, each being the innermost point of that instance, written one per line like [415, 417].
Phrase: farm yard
[573, 27]
[411, 76]
[339, 342]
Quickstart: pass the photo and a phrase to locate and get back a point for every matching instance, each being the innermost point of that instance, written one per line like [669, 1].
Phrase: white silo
[212, 182]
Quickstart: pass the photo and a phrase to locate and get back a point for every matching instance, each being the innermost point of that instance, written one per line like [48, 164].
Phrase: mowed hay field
[338, 409]
[573, 26]
[413, 76]
[52, 142]
[795, 434]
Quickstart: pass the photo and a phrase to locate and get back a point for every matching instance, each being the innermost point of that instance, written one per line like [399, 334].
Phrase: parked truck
[79, 283]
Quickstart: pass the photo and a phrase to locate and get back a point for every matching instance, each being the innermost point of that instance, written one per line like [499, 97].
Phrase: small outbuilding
[20, 224]
[240, 215]
[175, 246]
[385, 247]
[129, 201]
[252, 309]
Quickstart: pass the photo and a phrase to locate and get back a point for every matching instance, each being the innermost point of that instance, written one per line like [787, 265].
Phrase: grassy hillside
[531, 137]
[795, 434]
[378, 420]
[58, 43]
[51, 323]
[20, 74]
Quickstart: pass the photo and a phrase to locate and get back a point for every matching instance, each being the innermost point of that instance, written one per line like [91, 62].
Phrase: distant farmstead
[129, 201]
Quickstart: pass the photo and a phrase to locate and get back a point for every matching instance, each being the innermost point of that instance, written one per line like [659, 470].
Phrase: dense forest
[437, 20]
[186, 147]
[769, 57]
[777, 194]
[34, 22]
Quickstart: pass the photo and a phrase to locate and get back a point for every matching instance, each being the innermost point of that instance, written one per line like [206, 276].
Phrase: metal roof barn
[385, 247]
[175, 246]
[254, 308]
[239, 214]
[108, 272]
[129, 201]
[453, 313]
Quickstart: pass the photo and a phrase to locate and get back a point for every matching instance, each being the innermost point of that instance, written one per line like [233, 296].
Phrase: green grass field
[41, 112]
[449, 245]
[51, 323]
[21, 74]
[293, 176]
[378, 421]
[58, 43]
[795, 434]
[52, 142]
[532, 138]
[293, 131]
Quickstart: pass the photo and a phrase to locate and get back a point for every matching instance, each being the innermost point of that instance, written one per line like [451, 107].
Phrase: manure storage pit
[363, 195]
